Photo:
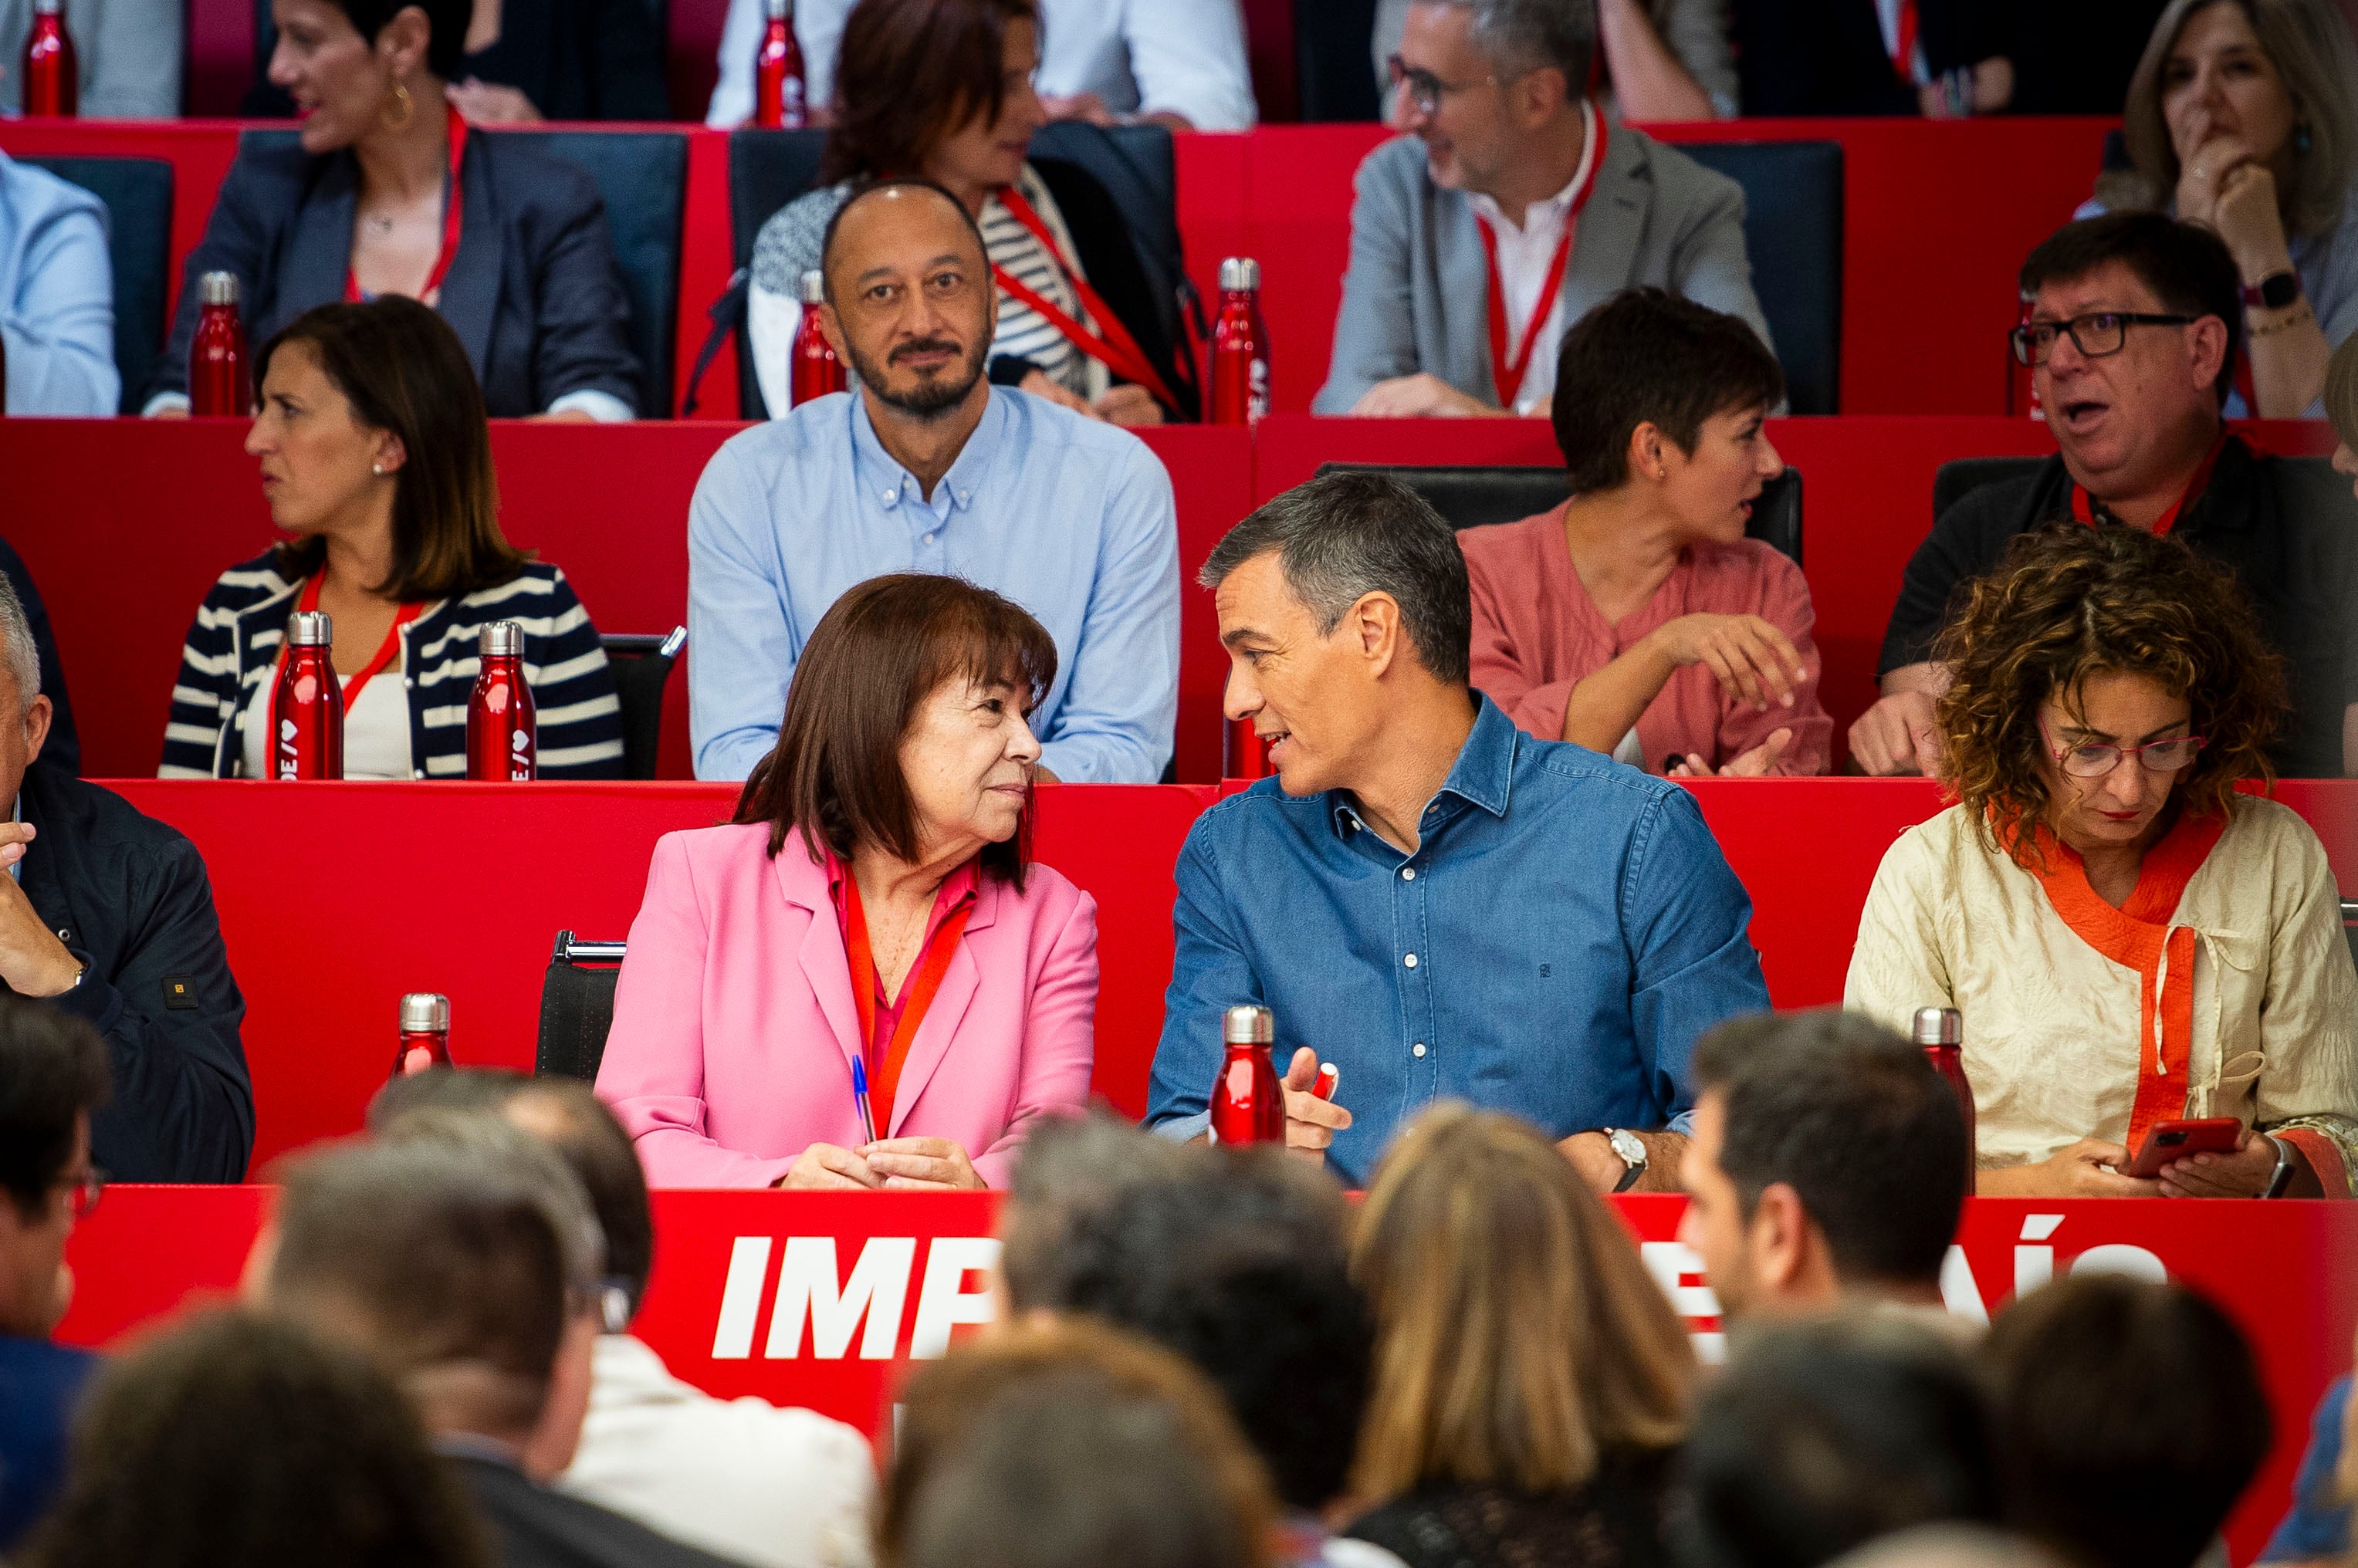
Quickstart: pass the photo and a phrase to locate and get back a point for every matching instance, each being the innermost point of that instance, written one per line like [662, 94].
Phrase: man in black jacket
[107, 914]
[2133, 324]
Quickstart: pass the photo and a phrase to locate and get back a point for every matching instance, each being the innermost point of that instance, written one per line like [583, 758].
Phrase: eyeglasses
[2094, 760]
[2094, 335]
[82, 1192]
[1425, 89]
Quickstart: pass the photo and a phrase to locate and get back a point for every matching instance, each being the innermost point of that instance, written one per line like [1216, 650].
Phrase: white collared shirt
[1524, 256]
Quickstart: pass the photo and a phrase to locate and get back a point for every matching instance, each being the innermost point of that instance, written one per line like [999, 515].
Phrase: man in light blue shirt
[57, 296]
[924, 466]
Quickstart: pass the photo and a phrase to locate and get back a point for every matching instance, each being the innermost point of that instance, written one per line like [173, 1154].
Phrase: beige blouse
[2054, 1026]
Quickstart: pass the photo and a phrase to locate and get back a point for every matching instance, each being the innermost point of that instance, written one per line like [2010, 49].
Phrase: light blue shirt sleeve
[1122, 702]
[56, 298]
[741, 644]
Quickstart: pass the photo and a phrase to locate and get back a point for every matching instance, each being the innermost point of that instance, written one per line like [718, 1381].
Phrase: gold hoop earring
[405, 107]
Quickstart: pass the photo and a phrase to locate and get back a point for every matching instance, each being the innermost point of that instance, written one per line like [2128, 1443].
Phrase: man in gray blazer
[1507, 155]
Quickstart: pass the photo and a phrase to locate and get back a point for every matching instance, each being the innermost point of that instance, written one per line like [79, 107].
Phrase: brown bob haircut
[909, 72]
[1647, 357]
[2072, 601]
[875, 657]
[404, 372]
[1519, 1339]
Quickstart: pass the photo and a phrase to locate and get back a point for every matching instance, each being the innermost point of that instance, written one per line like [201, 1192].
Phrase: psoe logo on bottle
[817, 1305]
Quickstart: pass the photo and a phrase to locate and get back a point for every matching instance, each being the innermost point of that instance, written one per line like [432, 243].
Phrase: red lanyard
[384, 655]
[1116, 349]
[1903, 54]
[1507, 374]
[938, 953]
[454, 217]
[2083, 508]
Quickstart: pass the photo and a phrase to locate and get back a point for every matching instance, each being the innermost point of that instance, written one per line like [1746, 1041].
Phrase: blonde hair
[2310, 45]
[1519, 1339]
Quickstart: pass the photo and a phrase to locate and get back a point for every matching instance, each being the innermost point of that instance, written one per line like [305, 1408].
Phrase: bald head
[910, 305]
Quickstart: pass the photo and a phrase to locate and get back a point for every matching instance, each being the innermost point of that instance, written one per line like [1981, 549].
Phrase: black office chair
[766, 170]
[1334, 75]
[1475, 497]
[577, 1007]
[138, 196]
[1794, 233]
[1954, 479]
[642, 665]
[642, 174]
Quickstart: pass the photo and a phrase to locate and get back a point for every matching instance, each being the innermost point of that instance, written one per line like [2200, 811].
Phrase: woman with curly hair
[2131, 940]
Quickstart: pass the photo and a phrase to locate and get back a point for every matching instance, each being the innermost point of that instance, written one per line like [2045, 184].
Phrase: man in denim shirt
[1432, 900]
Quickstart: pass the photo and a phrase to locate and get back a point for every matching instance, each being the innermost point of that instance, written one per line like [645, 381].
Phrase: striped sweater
[234, 648]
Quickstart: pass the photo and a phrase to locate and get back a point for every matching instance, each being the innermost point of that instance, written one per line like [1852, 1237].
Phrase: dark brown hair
[1647, 357]
[233, 1441]
[404, 370]
[1083, 1443]
[2186, 267]
[875, 657]
[53, 1073]
[909, 72]
[2071, 602]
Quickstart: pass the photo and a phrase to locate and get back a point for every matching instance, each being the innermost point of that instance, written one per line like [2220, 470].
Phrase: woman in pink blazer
[879, 849]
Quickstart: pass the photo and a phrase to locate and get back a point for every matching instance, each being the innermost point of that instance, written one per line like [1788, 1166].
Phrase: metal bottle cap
[1249, 1025]
[48, 7]
[312, 629]
[501, 639]
[425, 1013]
[812, 287]
[217, 288]
[1239, 272]
[1940, 1026]
[778, 10]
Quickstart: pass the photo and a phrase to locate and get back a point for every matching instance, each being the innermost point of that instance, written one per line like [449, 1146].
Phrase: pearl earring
[377, 469]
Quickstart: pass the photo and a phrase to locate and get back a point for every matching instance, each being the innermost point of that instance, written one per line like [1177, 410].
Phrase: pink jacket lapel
[802, 883]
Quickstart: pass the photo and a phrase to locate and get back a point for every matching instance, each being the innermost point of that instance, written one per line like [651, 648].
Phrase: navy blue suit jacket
[533, 292]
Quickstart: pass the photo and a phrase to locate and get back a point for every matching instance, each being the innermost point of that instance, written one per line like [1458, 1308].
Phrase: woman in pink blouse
[1636, 619]
[871, 922]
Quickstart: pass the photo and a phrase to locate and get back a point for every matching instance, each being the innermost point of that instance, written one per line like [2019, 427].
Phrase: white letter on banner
[2121, 1257]
[1960, 1293]
[945, 1299]
[741, 1298]
[877, 1288]
[1671, 1261]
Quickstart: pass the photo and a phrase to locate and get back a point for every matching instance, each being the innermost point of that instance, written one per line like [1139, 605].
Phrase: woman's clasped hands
[889, 1164]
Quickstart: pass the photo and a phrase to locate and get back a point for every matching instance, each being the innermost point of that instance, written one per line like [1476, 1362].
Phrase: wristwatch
[1632, 1149]
[2273, 292]
[2281, 1177]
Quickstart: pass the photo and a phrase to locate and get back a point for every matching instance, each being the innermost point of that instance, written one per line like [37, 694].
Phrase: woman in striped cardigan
[376, 456]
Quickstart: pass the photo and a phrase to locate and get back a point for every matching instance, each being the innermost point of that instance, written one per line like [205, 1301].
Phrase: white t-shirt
[376, 729]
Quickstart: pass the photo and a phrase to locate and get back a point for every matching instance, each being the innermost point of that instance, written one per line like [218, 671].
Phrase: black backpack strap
[729, 314]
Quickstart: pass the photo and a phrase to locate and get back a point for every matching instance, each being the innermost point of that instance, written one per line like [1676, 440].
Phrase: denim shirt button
[1408, 873]
[1409, 960]
[1417, 1049]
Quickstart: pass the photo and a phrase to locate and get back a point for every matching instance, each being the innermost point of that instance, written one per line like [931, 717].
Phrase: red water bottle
[815, 370]
[1940, 1031]
[1243, 754]
[52, 78]
[503, 737]
[1239, 346]
[1248, 1106]
[778, 73]
[219, 386]
[425, 1026]
[307, 710]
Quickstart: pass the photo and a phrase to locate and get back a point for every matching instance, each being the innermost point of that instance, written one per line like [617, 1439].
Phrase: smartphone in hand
[2171, 1140]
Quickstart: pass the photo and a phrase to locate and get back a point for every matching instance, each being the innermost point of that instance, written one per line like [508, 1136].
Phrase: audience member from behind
[944, 90]
[377, 462]
[57, 295]
[1506, 155]
[873, 916]
[1531, 1383]
[1828, 1163]
[1822, 1434]
[107, 915]
[1074, 1445]
[233, 1441]
[926, 467]
[2099, 872]
[2315, 1532]
[1357, 893]
[760, 1485]
[52, 1080]
[2242, 117]
[386, 190]
[2132, 322]
[2130, 1417]
[1637, 619]
[1240, 1266]
[461, 1253]
[1071, 1169]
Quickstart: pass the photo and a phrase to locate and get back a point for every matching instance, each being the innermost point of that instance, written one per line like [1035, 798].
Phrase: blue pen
[860, 1094]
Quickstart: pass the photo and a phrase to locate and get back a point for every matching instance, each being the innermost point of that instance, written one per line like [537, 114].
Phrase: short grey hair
[1347, 535]
[17, 647]
[1073, 1168]
[1525, 35]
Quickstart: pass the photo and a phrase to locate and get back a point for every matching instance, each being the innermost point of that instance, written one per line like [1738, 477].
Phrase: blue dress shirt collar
[1483, 775]
[882, 475]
